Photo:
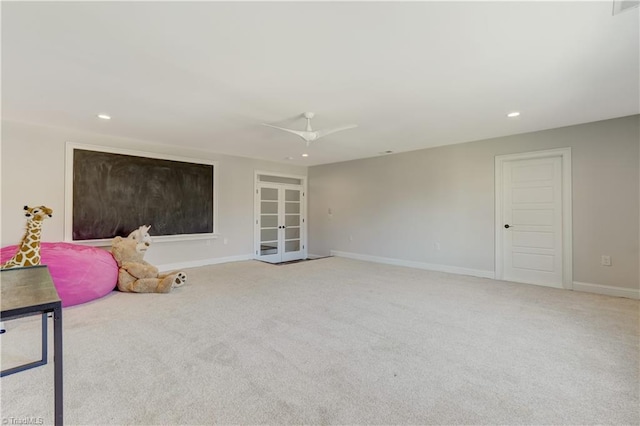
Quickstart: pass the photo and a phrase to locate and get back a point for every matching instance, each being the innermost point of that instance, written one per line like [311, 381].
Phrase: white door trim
[567, 240]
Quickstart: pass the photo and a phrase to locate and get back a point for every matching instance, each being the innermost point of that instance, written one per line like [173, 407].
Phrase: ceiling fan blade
[295, 132]
[326, 132]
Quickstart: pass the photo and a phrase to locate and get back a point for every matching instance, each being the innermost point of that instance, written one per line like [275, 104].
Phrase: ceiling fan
[309, 135]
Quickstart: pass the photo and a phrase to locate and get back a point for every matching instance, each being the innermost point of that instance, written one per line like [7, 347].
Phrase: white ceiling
[411, 75]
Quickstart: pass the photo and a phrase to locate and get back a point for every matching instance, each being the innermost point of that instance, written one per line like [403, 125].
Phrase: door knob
[507, 226]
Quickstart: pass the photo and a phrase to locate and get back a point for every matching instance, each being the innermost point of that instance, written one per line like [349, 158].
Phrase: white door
[279, 223]
[532, 234]
[268, 224]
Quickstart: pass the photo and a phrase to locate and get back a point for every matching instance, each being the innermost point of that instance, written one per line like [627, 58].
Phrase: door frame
[256, 208]
[567, 227]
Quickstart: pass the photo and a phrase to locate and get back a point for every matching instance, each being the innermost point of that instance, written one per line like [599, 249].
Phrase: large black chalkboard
[113, 194]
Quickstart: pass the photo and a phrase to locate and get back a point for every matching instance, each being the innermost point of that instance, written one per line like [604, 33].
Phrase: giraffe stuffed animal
[29, 250]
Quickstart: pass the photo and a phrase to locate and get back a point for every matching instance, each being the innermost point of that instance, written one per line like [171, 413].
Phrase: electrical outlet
[350, 237]
[225, 241]
[606, 260]
[436, 246]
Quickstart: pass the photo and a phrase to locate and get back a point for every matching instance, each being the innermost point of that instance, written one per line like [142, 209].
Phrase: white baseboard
[203, 262]
[417, 265]
[629, 293]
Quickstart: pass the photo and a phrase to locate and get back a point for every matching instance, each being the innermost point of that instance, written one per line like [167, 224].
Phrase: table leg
[57, 362]
[45, 343]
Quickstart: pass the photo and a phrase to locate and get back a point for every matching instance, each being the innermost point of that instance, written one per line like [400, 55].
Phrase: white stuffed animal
[141, 234]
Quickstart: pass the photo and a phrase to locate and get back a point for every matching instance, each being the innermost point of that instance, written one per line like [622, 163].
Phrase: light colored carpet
[337, 341]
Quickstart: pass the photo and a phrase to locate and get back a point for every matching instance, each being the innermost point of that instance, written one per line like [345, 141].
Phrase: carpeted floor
[336, 341]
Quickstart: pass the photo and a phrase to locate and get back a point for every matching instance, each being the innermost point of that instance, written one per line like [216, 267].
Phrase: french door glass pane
[291, 233]
[292, 220]
[292, 195]
[269, 194]
[290, 246]
[292, 207]
[269, 207]
[268, 248]
[268, 235]
[269, 221]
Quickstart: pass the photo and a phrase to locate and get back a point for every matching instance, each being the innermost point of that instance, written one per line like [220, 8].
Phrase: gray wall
[398, 206]
[33, 162]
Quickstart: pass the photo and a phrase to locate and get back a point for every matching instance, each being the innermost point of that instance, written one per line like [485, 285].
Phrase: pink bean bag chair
[80, 273]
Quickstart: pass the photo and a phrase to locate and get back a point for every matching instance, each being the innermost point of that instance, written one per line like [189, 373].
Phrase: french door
[280, 222]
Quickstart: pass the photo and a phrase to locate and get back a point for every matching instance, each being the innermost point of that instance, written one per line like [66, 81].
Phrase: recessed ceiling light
[104, 116]
[513, 114]
[305, 155]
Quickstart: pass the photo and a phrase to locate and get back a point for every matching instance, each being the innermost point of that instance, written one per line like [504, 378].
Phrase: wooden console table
[30, 291]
